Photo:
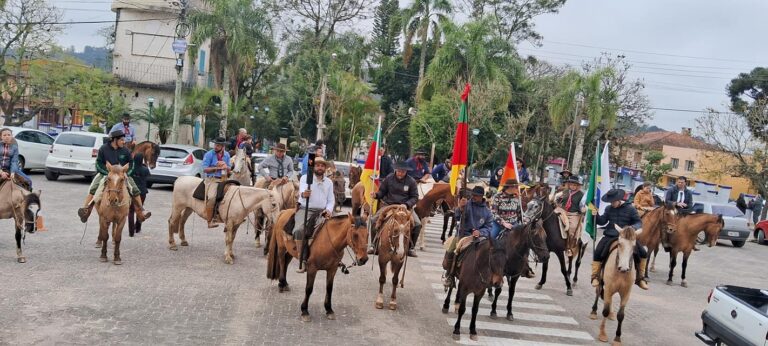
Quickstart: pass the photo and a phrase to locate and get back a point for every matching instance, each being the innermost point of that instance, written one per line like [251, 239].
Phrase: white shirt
[681, 197]
[322, 194]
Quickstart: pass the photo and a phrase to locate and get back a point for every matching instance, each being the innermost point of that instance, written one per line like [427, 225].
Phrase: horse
[483, 266]
[113, 207]
[556, 244]
[22, 206]
[683, 240]
[656, 221]
[394, 237]
[238, 203]
[327, 251]
[354, 175]
[150, 150]
[241, 172]
[517, 243]
[286, 197]
[618, 277]
[359, 205]
[440, 195]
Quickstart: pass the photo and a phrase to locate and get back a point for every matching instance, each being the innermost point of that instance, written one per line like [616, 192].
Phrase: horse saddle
[221, 189]
[565, 224]
[18, 181]
[317, 220]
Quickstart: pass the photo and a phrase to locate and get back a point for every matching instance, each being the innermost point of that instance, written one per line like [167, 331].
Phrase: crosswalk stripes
[539, 320]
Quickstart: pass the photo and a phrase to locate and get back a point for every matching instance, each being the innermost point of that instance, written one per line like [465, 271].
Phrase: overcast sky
[686, 51]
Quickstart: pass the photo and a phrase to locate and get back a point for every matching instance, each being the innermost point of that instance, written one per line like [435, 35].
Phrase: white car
[343, 167]
[176, 161]
[257, 159]
[34, 146]
[74, 153]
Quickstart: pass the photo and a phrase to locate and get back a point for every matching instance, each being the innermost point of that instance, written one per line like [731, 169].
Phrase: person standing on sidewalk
[140, 175]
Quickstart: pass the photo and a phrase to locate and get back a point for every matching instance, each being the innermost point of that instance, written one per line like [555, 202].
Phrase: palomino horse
[326, 253]
[113, 210]
[286, 197]
[394, 225]
[150, 150]
[242, 173]
[482, 266]
[21, 206]
[439, 195]
[688, 228]
[238, 203]
[618, 277]
[656, 221]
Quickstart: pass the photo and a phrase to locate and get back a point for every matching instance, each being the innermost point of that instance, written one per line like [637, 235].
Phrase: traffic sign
[179, 46]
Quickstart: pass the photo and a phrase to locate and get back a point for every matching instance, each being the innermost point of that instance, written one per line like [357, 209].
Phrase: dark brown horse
[394, 225]
[556, 244]
[354, 175]
[688, 228]
[150, 150]
[326, 253]
[656, 221]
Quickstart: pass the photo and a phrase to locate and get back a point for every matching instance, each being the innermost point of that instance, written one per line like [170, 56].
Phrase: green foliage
[748, 91]
[95, 128]
[353, 112]
[386, 28]
[435, 122]
[161, 119]
[654, 169]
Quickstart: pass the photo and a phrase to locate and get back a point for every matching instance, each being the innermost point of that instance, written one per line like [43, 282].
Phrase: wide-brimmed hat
[320, 160]
[116, 134]
[510, 182]
[573, 180]
[565, 171]
[478, 191]
[220, 140]
[420, 152]
[279, 146]
[613, 195]
[402, 166]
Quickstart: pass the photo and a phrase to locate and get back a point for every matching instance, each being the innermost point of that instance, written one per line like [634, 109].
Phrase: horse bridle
[355, 263]
[394, 235]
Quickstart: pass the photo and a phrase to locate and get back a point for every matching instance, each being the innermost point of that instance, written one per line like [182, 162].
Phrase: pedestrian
[385, 163]
[757, 208]
[522, 173]
[495, 179]
[140, 175]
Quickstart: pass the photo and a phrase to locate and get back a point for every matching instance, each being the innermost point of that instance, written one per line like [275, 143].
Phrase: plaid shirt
[5, 162]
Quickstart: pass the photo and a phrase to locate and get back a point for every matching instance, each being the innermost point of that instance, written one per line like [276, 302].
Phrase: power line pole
[323, 92]
[179, 47]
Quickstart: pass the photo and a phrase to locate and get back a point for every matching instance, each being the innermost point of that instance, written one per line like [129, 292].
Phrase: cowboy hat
[402, 166]
[320, 160]
[220, 140]
[573, 180]
[613, 195]
[478, 191]
[279, 146]
[510, 182]
[565, 171]
[420, 152]
[116, 134]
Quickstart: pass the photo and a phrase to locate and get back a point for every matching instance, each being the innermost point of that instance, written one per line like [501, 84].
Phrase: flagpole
[517, 177]
[376, 162]
[595, 200]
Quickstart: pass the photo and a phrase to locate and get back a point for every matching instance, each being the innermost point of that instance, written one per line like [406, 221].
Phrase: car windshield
[344, 169]
[76, 140]
[727, 211]
[170, 153]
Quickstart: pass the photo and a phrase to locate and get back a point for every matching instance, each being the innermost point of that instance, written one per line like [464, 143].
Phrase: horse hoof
[653, 270]
[456, 308]
[117, 262]
[22, 259]
[173, 247]
[684, 284]
[229, 260]
[473, 337]
[97, 244]
[258, 244]
[593, 316]
[445, 310]
[393, 305]
[603, 338]
[330, 316]
[510, 317]
[456, 337]
[379, 305]
[669, 282]
[102, 259]
[306, 318]
[493, 315]
[616, 343]
[569, 292]
[284, 289]
[184, 243]
[612, 316]
[539, 286]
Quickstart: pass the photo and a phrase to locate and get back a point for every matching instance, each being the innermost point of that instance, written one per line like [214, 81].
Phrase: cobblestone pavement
[64, 295]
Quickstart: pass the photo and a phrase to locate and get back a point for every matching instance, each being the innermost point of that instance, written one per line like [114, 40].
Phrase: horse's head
[31, 208]
[712, 230]
[498, 259]
[533, 210]
[114, 184]
[270, 208]
[670, 217]
[395, 222]
[240, 160]
[151, 152]
[537, 241]
[626, 247]
[357, 238]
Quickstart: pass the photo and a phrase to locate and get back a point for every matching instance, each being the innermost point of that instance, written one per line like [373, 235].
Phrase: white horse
[241, 172]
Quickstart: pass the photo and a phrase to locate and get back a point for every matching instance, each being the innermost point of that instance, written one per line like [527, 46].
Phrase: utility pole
[179, 47]
[323, 92]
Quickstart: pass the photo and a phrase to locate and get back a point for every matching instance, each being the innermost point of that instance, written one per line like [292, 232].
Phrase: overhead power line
[88, 22]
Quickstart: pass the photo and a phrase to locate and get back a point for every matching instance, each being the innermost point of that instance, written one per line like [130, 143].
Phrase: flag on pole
[510, 168]
[604, 179]
[370, 175]
[460, 142]
[592, 197]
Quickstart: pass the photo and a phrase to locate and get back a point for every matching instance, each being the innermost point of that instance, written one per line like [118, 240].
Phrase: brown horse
[394, 239]
[359, 205]
[113, 210]
[439, 196]
[482, 267]
[21, 206]
[326, 253]
[688, 228]
[354, 175]
[618, 277]
[656, 221]
[150, 150]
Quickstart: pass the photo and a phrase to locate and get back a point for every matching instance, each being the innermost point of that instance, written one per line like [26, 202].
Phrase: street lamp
[151, 102]
[475, 132]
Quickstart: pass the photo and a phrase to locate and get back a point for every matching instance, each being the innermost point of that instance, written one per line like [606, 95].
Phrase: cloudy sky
[686, 51]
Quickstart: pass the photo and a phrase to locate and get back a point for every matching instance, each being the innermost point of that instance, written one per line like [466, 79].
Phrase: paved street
[65, 295]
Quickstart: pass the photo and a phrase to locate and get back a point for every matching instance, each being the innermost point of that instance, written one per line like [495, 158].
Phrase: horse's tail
[273, 272]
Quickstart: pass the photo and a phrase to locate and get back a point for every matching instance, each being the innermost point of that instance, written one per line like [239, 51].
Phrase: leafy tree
[386, 28]
[654, 169]
[320, 18]
[514, 19]
[748, 94]
[417, 20]
[352, 110]
[202, 102]
[435, 122]
[161, 119]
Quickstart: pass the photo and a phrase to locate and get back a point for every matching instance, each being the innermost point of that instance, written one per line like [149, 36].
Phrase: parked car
[735, 316]
[34, 146]
[74, 153]
[176, 161]
[735, 230]
[761, 230]
[256, 159]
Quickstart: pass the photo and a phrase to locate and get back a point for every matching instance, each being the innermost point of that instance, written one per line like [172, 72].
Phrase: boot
[640, 281]
[209, 216]
[302, 261]
[141, 214]
[373, 248]
[448, 282]
[85, 211]
[595, 271]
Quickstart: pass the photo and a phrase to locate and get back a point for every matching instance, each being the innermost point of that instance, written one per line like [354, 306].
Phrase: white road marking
[505, 293]
[512, 328]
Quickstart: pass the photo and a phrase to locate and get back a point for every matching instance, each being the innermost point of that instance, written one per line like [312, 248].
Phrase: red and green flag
[370, 175]
[461, 142]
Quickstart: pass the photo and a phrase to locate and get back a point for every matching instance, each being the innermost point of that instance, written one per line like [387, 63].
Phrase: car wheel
[738, 243]
[701, 238]
[760, 237]
[51, 175]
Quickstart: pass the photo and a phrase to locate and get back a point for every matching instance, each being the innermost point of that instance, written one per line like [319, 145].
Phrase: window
[171, 153]
[26, 136]
[199, 154]
[76, 140]
[727, 210]
[689, 165]
[201, 63]
[42, 138]
[675, 163]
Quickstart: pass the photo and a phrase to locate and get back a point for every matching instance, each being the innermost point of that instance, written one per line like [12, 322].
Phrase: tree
[514, 19]
[352, 110]
[319, 17]
[654, 169]
[417, 20]
[386, 28]
[201, 102]
[162, 119]
[240, 33]
[748, 94]
[27, 33]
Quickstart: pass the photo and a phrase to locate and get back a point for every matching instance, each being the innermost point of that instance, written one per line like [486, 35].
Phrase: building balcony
[153, 76]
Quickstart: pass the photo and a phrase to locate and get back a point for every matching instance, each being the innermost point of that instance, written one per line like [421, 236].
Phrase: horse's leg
[379, 304]
[543, 280]
[561, 258]
[462, 298]
[607, 298]
[103, 237]
[19, 255]
[620, 317]
[582, 250]
[311, 273]
[512, 284]
[330, 274]
[229, 238]
[422, 233]
[174, 224]
[184, 217]
[117, 236]
[447, 300]
[283, 258]
[683, 282]
[672, 264]
[234, 235]
[396, 265]
[494, 298]
[475, 307]
[445, 226]
[593, 314]
[653, 262]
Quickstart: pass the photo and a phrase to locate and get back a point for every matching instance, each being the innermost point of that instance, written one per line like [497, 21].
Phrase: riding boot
[85, 211]
[448, 282]
[595, 272]
[373, 248]
[141, 214]
[302, 261]
[640, 281]
[210, 212]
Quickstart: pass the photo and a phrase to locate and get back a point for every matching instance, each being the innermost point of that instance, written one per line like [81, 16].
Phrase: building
[689, 156]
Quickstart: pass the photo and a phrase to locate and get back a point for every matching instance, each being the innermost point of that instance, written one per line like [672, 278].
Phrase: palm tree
[584, 97]
[200, 102]
[162, 119]
[418, 18]
[240, 33]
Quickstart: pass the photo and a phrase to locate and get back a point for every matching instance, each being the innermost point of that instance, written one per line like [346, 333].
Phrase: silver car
[176, 161]
[735, 230]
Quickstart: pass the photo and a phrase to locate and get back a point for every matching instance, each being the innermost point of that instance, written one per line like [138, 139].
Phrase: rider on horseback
[418, 167]
[278, 167]
[320, 201]
[398, 188]
[475, 223]
[643, 200]
[617, 214]
[569, 204]
[113, 153]
[215, 165]
[682, 199]
[505, 207]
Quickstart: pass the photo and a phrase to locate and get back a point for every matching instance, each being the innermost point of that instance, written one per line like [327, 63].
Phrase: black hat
[279, 146]
[565, 171]
[573, 180]
[478, 191]
[402, 166]
[116, 134]
[220, 140]
[420, 151]
[613, 195]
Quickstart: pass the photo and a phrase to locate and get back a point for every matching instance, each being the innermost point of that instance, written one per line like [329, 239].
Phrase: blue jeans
[497, 227]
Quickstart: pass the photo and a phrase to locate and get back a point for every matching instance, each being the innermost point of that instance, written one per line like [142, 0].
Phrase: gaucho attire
[418, 168]
[473, 216]
[643, 202]
[570, 204]
[393, 191]
[505, 208]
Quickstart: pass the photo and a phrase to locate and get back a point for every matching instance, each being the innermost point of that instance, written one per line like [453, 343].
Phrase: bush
[95, 128]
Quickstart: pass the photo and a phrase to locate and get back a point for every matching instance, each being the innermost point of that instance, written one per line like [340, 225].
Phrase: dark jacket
[440, 172]
[671, 197]
[624, 215]
[525, 178]
[140, 173]
[120, 156]
[575, 201]
[385, 166]
[419, 168]
[396, 191]
[495, 179]
[476, 216]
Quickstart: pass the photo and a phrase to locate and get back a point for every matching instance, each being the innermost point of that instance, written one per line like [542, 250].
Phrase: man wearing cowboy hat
[398, 188]
[419, 168]
[319, 199]
[474, 223]
[113, 153]
[215, 165]
[128, 130]
[618, 214]
[569, 204]
[564, 175]
[278, 167]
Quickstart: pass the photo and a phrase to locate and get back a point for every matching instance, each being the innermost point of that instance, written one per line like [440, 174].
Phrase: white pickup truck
[735, 316]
